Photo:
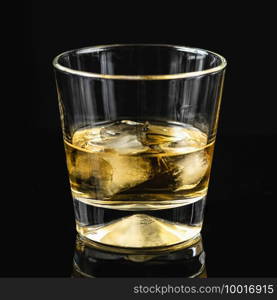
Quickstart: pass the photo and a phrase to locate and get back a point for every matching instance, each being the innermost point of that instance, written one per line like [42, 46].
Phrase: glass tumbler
[139, 125]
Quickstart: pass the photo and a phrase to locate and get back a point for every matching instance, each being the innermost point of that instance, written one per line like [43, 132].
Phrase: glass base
[96, 260]
[139, 229]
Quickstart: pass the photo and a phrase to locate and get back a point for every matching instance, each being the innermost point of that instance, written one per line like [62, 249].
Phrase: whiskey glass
[139, 124]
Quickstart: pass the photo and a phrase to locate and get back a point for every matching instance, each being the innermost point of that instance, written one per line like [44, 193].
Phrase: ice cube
[111, 172]
[190, 170]
[92, 167]
[121, 146]
[189, 139]
[127, 172]
[152, 134]
[88, 139]
[122, 137]
[117, 128]
[106, 158]
[126, 144]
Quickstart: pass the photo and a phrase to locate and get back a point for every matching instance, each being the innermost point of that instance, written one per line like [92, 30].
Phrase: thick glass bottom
[139, 229]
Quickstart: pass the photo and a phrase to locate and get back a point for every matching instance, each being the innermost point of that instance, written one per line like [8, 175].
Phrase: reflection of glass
[139, 125]
[96, 260]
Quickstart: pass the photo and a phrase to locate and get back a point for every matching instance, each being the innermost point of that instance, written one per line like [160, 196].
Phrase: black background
[239, 230]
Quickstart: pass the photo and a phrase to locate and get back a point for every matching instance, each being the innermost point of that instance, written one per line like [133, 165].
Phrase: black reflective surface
[95, 260]
[240, 220]
[37, 221]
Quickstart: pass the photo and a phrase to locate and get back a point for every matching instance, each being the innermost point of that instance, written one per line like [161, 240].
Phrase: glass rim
[220, 67]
